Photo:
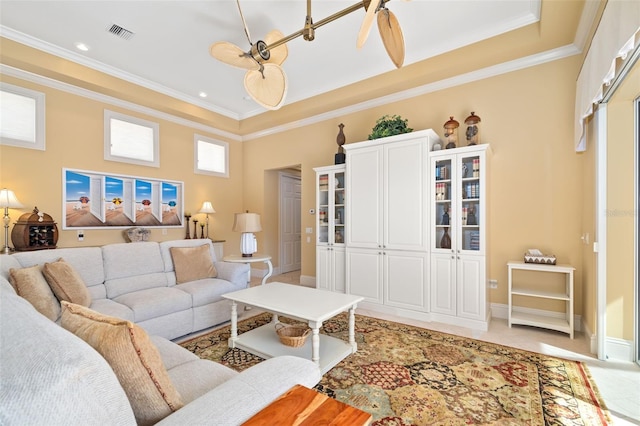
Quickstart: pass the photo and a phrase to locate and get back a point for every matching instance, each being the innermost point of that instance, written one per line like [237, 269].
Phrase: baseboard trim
[308, 280]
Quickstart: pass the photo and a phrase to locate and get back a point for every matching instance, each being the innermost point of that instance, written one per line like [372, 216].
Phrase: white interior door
[290, 223]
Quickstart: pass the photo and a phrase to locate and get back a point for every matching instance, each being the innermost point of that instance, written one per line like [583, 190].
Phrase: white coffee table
[297, 302]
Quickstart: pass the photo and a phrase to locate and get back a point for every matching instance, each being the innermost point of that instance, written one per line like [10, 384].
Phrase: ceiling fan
[265, 80]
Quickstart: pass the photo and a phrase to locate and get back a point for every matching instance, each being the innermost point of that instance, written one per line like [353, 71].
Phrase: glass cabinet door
[470, 203]
[323, 208]
[331, 197]
[338, 208]
[443, 208]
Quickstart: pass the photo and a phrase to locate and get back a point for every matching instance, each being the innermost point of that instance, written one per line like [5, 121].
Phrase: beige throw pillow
[66, 283]
[132, 356]
[31, 285]
[192, 263]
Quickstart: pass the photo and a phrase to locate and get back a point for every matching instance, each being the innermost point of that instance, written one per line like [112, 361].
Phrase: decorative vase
[471, 217]
[473, 131]
[340, 140]
[445, 242]
[451, 133]
[445, 215]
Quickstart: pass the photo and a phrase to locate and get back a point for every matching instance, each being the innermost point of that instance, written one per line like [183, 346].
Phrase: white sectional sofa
[51, 376]
[137, 282]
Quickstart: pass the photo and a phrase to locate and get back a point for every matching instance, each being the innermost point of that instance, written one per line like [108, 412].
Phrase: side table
[257, 257]
[565, 294]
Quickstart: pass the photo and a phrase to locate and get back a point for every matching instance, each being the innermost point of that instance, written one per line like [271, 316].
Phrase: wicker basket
[292, 335]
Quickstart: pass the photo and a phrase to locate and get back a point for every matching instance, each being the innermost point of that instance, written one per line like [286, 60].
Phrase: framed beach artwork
[105, 200]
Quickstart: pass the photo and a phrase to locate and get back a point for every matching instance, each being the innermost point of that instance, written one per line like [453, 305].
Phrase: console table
[566, 294]
[257, 257]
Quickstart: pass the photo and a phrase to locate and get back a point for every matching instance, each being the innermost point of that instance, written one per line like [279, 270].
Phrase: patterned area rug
[406, 375]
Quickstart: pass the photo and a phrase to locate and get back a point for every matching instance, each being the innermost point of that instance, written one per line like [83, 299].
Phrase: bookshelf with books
[458, 235]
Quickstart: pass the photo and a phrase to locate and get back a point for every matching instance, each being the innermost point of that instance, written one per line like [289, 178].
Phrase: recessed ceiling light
[203, 94]
[82, 46]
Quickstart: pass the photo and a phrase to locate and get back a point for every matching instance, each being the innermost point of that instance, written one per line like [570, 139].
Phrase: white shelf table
[565, 324]
[302, 303]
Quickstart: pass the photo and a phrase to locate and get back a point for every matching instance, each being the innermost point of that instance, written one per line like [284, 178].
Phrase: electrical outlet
[164, 231]
[493, 284]
[80, 235]
[309, 230]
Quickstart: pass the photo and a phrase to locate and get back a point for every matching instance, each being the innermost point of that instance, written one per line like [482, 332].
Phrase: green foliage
[389, 125]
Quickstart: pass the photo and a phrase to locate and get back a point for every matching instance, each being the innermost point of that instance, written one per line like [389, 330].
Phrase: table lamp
[8, 200]
[207, 208]
[247, 223]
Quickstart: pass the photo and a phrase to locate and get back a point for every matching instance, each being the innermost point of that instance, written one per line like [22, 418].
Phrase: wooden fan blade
[232, 55]
[391, 35]
[268, 88]
[280, 53]
[365, 28]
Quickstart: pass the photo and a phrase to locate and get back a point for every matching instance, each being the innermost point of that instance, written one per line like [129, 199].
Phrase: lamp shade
[9, 199]
[207, 208]
[247, 222]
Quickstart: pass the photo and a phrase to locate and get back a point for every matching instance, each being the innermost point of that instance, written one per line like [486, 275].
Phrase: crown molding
[89, 94]
[481, 74]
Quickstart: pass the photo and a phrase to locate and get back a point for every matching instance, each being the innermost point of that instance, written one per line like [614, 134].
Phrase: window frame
[200, 138]
[40, 119]
[155, 127]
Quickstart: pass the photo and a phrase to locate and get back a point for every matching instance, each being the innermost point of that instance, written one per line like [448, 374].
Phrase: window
[131, 140]
[211, 156]
[21, 117]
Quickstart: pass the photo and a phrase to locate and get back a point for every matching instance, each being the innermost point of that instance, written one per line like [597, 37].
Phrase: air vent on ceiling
[117, 30]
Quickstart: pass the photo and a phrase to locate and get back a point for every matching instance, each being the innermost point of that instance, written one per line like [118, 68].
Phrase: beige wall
[536, 178]
[74, 139]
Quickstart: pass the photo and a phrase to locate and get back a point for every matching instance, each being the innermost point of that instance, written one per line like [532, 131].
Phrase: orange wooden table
[305, 407]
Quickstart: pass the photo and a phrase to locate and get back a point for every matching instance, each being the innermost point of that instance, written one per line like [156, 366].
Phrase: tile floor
[618, 382]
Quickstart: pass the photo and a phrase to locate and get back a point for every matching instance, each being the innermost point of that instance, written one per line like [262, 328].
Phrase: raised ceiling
[169, 49]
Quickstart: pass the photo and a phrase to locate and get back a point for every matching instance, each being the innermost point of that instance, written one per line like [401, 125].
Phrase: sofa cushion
[192, 263]
[155, 302]
[51, 377]
[165, 250]
[191, 375]
[31, 285]
[131, 260]
[133, 358]
[66, 283]
[207, 291]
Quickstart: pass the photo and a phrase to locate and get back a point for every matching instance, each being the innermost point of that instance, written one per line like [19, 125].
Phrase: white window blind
[21, 117]
[211, 156]
[131, 140]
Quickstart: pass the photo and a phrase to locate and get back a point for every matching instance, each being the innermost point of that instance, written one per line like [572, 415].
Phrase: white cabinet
[387, 220]
[330, 227]
[330, 268]
[388, 197]
[522, 290]
[458, 219]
